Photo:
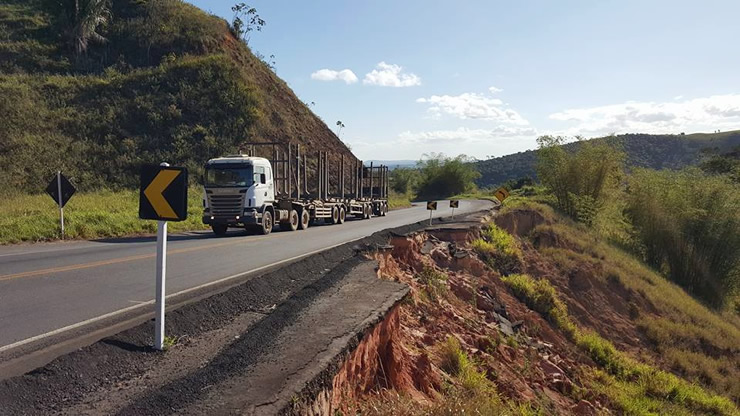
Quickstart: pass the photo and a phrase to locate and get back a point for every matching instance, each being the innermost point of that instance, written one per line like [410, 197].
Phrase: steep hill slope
[643, 150]
[170, 83]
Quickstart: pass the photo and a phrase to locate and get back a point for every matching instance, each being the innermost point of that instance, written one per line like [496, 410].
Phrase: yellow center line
[61, 269]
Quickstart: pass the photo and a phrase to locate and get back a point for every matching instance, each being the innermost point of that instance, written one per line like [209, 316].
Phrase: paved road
[46, 287]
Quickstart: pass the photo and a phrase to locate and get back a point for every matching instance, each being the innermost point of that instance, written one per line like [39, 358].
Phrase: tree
[442, 176]
[404, 180]
[245, 21]
[341, 126]
[81, 20]
[580, 180]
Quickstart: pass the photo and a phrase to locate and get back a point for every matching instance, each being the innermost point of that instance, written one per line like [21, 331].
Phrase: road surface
[47, 287]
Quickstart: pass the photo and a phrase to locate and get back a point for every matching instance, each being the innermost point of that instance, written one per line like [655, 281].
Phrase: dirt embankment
[516, 348]
[558, 330]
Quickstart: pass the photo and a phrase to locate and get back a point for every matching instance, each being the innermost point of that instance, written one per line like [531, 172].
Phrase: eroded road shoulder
[251, 349]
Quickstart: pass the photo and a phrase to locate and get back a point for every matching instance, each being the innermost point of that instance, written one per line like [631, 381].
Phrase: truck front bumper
[250, 217]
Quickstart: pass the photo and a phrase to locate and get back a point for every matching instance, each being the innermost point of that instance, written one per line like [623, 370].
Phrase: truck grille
[226, 205]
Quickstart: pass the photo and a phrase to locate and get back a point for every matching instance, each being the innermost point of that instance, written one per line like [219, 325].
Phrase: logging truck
[278, 184]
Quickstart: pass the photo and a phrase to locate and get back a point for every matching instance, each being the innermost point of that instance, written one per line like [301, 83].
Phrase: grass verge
[86, 215]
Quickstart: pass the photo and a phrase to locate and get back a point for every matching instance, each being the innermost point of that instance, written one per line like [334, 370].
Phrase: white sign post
[161, 274]
[160, 293]
[59, 200]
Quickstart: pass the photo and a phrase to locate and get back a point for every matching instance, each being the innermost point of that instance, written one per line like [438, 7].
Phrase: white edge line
[182, 292]
[150, 302]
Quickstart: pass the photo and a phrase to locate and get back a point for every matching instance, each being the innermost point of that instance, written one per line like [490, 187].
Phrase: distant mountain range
[643, 150]
[393, 164]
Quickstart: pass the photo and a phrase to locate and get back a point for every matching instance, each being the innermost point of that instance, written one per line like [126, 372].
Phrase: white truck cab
[237, 191]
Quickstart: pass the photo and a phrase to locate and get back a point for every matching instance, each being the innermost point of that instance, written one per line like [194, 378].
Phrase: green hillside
[165, 82]
[642, 150]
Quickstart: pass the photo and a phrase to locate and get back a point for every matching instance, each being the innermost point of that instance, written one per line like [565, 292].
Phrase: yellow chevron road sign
[164, 193]
[501, 194]
[432, 205]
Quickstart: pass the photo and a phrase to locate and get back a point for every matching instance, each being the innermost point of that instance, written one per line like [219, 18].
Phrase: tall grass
[689, 226]
[86, 215]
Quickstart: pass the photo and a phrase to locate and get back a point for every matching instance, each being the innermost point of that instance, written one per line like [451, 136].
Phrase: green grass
[398, 201]
[698, 343]
[636, 388]
[498, 248]
[86, 215]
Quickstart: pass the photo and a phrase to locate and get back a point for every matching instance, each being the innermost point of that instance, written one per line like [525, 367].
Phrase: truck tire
[368, 211]
[266, 223]
[342, 215]
[335, 214]
[219, 229]
[304, 219]
[292, 223]
[384, 209]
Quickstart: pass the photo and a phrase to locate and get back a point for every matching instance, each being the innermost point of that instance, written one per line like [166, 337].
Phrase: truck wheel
[384, 209]
[305, 219]
[292, 223]
[219, 229]
[335, 215]
[368, 211]
[266, 223]
[342, 215]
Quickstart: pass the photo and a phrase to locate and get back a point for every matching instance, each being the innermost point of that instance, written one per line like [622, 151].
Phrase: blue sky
[484, 77]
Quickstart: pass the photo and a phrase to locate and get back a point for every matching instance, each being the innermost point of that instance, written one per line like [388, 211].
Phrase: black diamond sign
[67, 189]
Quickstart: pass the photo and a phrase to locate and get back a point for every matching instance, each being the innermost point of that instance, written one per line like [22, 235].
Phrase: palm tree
[83, 19]
[340, 125]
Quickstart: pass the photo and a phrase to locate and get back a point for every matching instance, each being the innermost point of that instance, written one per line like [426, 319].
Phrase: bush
[404, 180]
[498, 248]
[442, 176]
[689, 225]
[581, 180]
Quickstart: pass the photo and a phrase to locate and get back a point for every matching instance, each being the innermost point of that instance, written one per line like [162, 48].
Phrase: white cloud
[389, 75]
[708, 113]
[472, 106]
[345, 75]
[465, 135]
[494, 90]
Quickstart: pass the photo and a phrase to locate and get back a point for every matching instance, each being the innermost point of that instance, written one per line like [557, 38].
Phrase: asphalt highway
[49, 287]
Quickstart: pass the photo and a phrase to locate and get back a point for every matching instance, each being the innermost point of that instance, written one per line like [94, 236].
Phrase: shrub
[442, 176]
[498, 248]
[581, 180]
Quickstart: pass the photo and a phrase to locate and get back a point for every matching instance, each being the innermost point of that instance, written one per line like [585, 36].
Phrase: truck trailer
[275, 183]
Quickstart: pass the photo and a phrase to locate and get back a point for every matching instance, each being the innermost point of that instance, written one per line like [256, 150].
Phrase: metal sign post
[59, 200]
[61, 190]
[160, 292]
[163, 197]
[161, 273]
[431, 206]
[454, 203]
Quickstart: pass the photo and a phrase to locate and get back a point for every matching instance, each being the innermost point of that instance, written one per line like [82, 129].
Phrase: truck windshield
[228, 176]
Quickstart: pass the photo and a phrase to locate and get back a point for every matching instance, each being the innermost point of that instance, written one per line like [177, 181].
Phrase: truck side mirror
[263, 178]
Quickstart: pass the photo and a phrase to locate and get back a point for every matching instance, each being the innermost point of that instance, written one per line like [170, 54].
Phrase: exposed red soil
[403, 355]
